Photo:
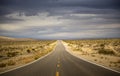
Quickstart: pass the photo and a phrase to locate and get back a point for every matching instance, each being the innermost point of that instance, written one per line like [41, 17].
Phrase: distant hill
[4, 38]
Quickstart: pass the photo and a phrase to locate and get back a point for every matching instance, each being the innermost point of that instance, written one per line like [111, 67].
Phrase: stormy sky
[60, 19]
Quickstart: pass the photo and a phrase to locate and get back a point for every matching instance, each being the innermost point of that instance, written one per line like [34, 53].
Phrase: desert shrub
[11, 62]
[118, 61]
[101, 57]
[93, 55]
[78, 49]
[2, 65]
[12, 54]
[80, 45]
[33, 49]
[1, 56]
[95, 59]
[110, 65]
[41, 46]
[69, 44]
[48, 43]
[106, 51]
[102, 45]
[28, 50]
[36, 57]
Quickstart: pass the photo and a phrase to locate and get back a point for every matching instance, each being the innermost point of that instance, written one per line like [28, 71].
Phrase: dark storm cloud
[105, 4]
[8, 6]
[58, 7]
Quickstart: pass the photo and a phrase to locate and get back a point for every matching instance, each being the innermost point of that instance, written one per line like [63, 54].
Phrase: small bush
[81, 45]
[33, 49]
[69, 44]
[36, 57]
[101, 57]
[12, 54]
[93, 55]
[28, 50]
[1, 56]
[106, 51]
[77, 49]
[11, 63]
[2, 65]
[95, 59]
[110, 65]
[41, 46]
[102, 45]
[118, 61]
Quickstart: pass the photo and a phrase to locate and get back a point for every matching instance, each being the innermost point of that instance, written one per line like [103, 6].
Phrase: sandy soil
[109, 61]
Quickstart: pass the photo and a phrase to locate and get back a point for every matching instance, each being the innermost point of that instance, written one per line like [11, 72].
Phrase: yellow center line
[57, 73]
[58, 65]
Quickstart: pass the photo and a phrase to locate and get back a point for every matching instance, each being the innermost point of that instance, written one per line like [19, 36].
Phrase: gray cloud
[33, 7]
[60, 18]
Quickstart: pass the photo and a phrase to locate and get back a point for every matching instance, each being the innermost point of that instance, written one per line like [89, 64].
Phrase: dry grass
[102, 51]
[21, 52]
[101, 46]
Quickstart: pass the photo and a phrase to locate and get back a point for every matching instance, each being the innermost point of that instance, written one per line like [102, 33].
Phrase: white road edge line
[31, 62]
[90, 61]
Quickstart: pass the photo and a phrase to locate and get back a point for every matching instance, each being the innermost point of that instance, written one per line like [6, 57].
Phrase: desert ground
[105, 52]
[15, 52]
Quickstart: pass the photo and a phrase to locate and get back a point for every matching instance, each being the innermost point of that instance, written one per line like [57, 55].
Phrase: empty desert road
[61, 63]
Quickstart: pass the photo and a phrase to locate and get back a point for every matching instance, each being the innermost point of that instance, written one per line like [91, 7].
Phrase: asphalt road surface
[61, 63]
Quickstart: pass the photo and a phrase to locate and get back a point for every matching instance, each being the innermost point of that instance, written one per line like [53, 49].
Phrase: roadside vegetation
[101, 51]
[15, 52]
